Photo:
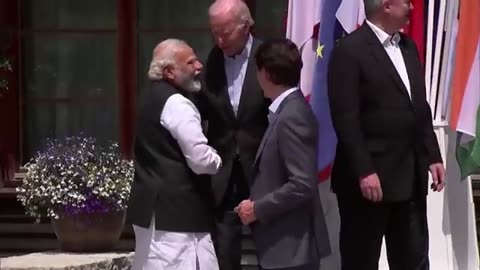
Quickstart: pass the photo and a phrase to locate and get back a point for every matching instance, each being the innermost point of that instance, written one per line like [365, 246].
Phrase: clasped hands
[245, 210]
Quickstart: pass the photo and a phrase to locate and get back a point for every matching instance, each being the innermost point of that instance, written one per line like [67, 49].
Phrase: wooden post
[127, 72]
[10, 47]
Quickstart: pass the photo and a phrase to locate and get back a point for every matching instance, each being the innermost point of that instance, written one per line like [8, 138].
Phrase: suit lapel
[273, 121]
[223, 94]
[265, 137]
[379, 53]
[411, 63]
[249, 80]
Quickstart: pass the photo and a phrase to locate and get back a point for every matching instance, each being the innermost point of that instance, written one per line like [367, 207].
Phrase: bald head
[235, 9]
[175, 62]
[372, 7]
[230, 23]
[388, 15]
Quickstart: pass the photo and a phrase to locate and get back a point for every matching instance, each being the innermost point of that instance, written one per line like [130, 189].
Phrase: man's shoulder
[256, 42]
[215, 52]
[407, 41]
[296, 106]
[161, 88]
[352, 40]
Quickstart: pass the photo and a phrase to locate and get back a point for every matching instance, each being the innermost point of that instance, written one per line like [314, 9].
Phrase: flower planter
[89, 232]
[72, 179]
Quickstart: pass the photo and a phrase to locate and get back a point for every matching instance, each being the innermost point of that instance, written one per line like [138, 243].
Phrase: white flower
[67, 172]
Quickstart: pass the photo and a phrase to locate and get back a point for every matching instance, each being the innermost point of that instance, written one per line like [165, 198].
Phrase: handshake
[245, 210]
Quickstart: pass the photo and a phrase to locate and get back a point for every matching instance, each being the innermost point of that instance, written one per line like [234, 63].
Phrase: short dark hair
[281, 60]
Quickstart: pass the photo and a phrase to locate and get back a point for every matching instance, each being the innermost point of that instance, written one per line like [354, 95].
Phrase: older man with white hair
[236, 112]
[170, 203]
[386, 142]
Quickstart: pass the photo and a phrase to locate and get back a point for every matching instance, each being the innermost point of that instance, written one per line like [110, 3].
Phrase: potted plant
[83, 188]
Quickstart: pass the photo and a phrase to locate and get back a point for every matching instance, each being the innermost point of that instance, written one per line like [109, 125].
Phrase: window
[270, 17]
[78, 66]
[69, 84]
[159, 20]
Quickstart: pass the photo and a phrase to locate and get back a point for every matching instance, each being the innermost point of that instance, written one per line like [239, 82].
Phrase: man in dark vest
[170, 203]
[236, 112]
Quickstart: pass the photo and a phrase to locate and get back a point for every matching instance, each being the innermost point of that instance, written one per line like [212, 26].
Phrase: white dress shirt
[393, 50]
[235, 69]
[276, 103]
[169, 250]
[182, 119]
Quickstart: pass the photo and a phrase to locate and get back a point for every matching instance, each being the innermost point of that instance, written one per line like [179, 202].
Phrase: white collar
[384, 37]
[276, 103]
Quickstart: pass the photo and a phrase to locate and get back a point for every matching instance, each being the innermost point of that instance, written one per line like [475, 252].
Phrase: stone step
[29, 244]
[74, 261]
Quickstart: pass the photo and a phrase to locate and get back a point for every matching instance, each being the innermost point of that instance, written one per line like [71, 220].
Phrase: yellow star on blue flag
[320, 50]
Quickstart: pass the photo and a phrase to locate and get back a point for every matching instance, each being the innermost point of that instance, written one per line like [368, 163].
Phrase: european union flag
[329, 31]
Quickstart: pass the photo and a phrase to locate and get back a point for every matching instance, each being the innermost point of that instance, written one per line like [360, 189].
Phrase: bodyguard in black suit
[386, 144]
[233, 105]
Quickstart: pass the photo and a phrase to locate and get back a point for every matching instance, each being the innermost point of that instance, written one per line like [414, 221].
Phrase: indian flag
[465, 112]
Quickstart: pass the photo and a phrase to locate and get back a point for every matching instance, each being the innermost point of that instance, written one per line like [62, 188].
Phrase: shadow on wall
[461, 213]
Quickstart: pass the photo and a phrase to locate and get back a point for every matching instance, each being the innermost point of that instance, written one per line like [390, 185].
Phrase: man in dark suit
[386, 143]
[235, 110]
[284, 208]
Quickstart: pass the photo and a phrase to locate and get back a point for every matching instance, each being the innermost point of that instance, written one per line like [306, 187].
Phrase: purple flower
[75, 176]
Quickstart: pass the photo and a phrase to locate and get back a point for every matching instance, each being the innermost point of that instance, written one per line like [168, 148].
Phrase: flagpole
[452, 11]
[437, 57]
[428, 62]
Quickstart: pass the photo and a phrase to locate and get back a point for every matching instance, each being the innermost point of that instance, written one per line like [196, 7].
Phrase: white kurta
[162, 250]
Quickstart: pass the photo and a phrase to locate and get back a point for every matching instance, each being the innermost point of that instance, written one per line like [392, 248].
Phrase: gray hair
[237, 7]
[163, 56]
[371, 6]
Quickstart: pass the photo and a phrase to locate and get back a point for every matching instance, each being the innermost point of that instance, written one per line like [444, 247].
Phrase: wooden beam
[127, 72]
[10, 114]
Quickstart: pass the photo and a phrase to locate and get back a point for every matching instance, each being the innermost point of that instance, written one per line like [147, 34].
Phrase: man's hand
[438, 176]
[245, 211]
[371, 188]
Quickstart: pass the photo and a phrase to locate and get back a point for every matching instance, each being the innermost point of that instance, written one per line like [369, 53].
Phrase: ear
[267, 75]
[168, 72]
[245, 26]
[386, 5]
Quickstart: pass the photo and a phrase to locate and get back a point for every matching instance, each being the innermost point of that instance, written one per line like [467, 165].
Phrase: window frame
[127, 58]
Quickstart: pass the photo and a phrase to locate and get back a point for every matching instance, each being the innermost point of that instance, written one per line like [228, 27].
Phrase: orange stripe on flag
[467, 43]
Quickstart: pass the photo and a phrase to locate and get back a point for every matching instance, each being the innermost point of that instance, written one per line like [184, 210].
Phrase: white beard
[194, 86]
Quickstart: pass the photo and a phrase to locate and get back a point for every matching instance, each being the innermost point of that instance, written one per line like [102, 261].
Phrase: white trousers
[162, 250]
